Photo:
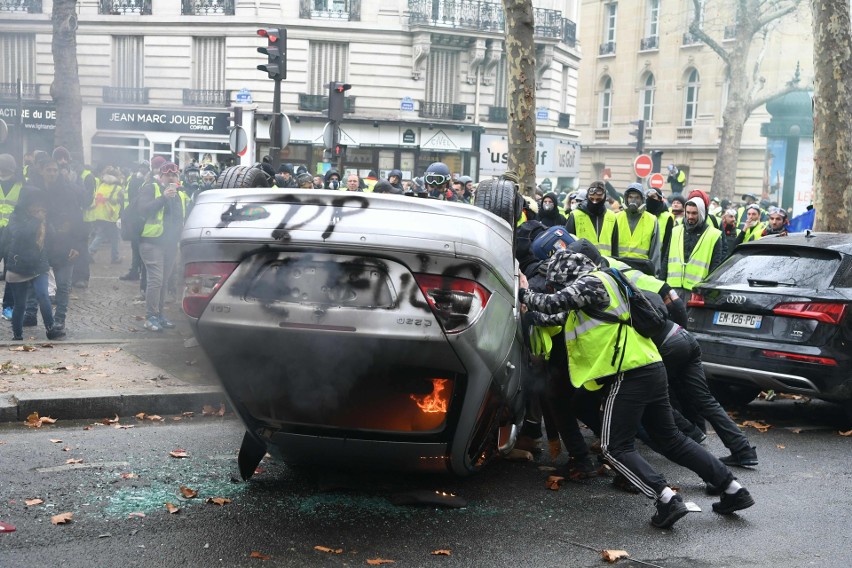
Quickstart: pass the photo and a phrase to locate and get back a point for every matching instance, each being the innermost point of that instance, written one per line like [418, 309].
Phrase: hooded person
[208, 177]
[304, 180]
[395, 179]
[706, 199]
[284, 177]
[614, 357]
[332, 179]
[593, 221]
[548, 212]
[369, 182]
[638, 230]
[696, 250]
[730, 231]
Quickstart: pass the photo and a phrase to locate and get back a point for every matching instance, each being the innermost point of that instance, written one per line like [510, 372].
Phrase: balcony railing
[601, 133]
[647, 43]
[10, 91]
[206, 97]
[21, 6]
[498, 114]
[607, 48]
[208, 7]
[126, 95]
[319, 103]
[564, 120]
[123, 7]
[442, 110]
[345, 10]
[689, 39]
[731, 31]
[684, 133]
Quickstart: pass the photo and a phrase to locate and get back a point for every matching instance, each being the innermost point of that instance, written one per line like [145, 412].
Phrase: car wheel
[242, 177]
[498, 197]
[732, 396]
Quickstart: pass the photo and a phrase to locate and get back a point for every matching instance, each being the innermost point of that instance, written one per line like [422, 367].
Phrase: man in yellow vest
[615, 357]
[103, 213]
[696, 250]
[593, 221]
[752, 228]
[638, 231]
[656, 206]
[10, 192]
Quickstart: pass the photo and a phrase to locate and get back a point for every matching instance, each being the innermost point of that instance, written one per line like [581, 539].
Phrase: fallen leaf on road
[177, 418]
[377, 561]
[179, 453]
[61, 518]
[441, 552]
[140, 416]
[66, 449]
[554, 481]
[327, 549]
[780, 446]
[36, 421]
[172, 509]
[56, 440]
[74, 460]
[757, 425]
[256, 554]
[208, 410]
[187, 492]
[129, 476]
[139, 514]
[188, 414]
[795, 430]
[87, 427]
[847, 433]
[613, 555]
[108, 421]
[84, 354]
[154, 418]
[123, 426]
[32, 502]
[218, 500]
[26, 348]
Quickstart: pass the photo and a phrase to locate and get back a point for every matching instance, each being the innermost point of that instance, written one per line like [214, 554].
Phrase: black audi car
[775, 315]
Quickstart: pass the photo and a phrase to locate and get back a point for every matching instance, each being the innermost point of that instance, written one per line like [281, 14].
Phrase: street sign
[238, 141]
[542, 114]
[328, 135]
[284, 139]
[4, 131]
[244, 97]
[406, 104]
[642, 165]
[657, 181]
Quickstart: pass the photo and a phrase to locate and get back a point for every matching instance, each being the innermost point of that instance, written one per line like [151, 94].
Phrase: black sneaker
[744, 458]
[669, 513]
[54, 333]
[738, 501]
[129, 276]
[58, 325]
[30, 321]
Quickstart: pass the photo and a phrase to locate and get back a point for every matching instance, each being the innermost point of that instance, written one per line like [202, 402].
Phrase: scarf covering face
[566, 266]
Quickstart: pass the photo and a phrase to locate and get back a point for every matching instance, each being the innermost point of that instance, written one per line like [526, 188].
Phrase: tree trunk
[520, 57]
[66, 82]
[832, 115]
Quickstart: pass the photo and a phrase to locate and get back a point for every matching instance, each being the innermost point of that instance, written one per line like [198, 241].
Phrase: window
[128, 56]
[690, 107]
[208, 56]
[652, 19]
[442, 76]
[328, 61]
[501, 83]
[647, 110]
[18, 61]
[610, 11]
[605, 103]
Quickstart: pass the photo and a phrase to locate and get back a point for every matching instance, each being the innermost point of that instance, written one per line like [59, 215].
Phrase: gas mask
[547, 206]
[634, 204]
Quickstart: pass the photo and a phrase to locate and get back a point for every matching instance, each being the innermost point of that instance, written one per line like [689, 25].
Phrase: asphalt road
[803, 489]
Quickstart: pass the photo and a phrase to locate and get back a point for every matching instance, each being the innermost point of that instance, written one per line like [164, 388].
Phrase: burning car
[358, 329]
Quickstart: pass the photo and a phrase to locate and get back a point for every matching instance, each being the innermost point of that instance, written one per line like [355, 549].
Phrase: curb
[99, 404]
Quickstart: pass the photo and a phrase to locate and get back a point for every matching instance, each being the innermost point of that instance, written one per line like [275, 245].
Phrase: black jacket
[597, 221]
[22, 253]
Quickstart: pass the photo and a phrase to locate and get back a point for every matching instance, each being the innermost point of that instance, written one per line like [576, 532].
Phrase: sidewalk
[108, 364]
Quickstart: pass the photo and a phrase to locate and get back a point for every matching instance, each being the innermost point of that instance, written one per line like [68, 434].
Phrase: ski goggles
[596, 189]
[435, 179]
[169, 168]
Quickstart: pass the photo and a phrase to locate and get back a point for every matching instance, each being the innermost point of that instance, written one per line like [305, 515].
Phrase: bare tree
[755, 19]
[832, 115]
[520, 57]
[66, 80]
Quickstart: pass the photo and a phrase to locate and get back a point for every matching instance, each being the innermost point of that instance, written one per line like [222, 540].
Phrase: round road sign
[642, 165]
[657, 181]
[238, 141]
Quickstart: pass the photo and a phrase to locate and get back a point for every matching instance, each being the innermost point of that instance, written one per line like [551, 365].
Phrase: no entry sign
[656, 181]
[642, 165]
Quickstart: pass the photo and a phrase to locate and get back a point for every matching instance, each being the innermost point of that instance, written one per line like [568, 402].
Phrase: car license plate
[737, 320]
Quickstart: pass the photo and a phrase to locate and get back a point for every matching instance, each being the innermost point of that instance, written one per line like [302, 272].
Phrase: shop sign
[163, 120]
[440, 141]
[408, 137]
[554, 157]
[34, 117]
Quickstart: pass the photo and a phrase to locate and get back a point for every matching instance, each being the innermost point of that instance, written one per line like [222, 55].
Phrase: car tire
[241, 177]
[498, 196]
[733, 396]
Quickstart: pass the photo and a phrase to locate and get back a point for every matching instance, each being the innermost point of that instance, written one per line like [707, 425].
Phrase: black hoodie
[553, 217]
[596, 219]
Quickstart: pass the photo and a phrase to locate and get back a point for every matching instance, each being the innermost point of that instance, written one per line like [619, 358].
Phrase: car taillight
[799, 358]
[456, 302]
[824, 312]
[201, 281]
[696, 300]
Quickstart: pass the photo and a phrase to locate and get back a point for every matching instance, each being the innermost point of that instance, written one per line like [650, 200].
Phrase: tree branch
[695, 30]
[777, 14]
[791, 88]
[756, 84]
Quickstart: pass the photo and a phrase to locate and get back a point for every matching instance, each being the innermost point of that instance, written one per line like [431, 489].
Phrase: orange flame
[435, 402]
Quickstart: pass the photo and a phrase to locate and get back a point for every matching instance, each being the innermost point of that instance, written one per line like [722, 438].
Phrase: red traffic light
[270, 34]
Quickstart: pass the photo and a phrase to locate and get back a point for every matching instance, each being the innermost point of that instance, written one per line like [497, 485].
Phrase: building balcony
[319, 103]
[447, 111]
[9, 91]
[335, 10]
[689, 39]
[730, 32]
[684, 133]
[498, 114]
[607, 48]
[207, 7]
[648, 43]
[20, 6]
[124, 7]
[601, 134]
[126, 95]
[564, 120]
[207, 97]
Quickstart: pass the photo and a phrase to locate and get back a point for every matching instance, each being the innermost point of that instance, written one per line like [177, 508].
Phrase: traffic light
[338, 151]
[335, 100]
[639, 134]
[275, 52]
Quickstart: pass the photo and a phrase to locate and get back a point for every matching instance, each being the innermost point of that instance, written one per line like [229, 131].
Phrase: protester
[777, 223]
[696, 250]
[11, 183]
[638, 230]
[752, 228]
[104, 211]
[548, 212]
[593, 221]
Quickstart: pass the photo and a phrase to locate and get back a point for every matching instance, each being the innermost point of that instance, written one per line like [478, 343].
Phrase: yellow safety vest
[541, 340]
[643, 281]
[586, 230]
[106, 205]
[592, 345]
[663, 221]
[522, 219]
[688, 273]
[635, 244]
[154, 227]
[8, 202]
[754, 233]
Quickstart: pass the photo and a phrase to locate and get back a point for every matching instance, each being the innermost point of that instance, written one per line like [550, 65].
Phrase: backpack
[648, 313]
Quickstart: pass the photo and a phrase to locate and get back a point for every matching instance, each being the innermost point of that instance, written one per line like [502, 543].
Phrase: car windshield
[799, 267]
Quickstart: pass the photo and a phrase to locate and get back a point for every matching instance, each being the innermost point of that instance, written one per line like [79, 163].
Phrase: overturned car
[358, 329]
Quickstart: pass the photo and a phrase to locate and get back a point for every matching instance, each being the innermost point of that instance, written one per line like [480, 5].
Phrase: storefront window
[453, 161]
[203, 152]
[118, 151]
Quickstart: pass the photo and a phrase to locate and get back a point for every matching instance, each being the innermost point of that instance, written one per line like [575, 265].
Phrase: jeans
[159, 262]
[64, 277]
[105, 231]
[641, 397]
[682, 357]
[20, 292]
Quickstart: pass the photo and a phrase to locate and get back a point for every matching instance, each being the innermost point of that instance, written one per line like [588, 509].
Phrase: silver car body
[326, 344]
